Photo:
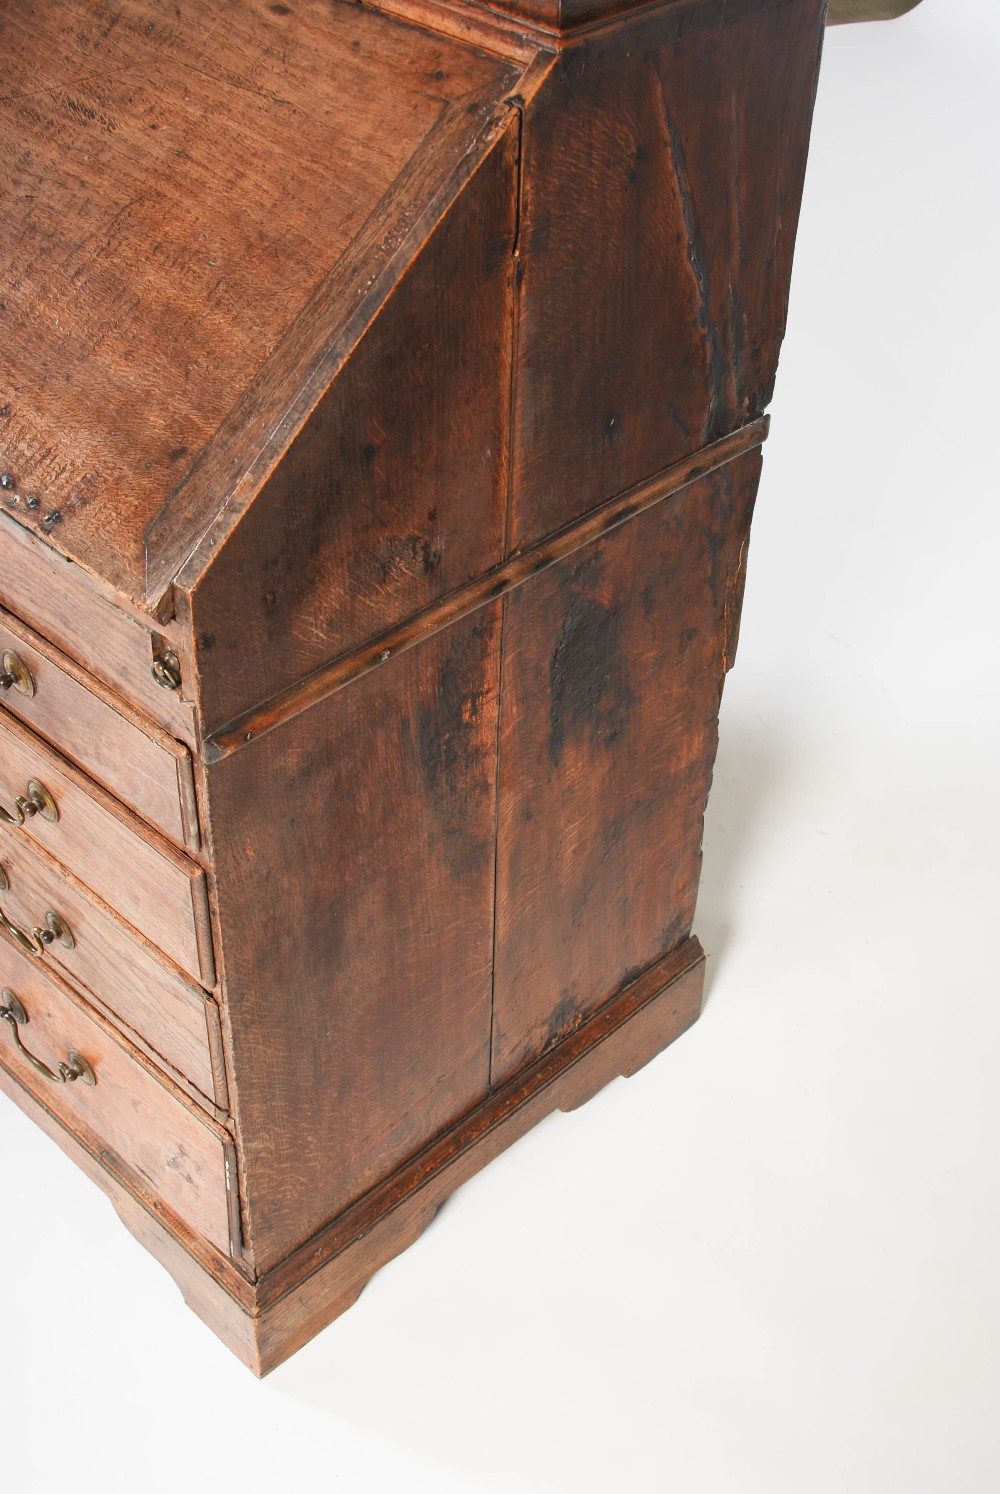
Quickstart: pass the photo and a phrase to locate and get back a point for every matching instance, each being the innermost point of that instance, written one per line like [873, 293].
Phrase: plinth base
[266, 1320]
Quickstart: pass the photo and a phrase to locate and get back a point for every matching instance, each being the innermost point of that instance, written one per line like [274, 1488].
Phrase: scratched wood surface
[133, 318]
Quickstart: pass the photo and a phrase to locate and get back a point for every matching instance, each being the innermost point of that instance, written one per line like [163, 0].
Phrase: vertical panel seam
[518, 108]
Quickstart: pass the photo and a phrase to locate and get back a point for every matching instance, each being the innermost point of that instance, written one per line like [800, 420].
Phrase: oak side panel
[662, 174]
[395, 491]
[613, 664]
[354, 854]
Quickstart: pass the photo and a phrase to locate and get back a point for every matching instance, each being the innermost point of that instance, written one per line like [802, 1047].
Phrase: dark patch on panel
[589, 694]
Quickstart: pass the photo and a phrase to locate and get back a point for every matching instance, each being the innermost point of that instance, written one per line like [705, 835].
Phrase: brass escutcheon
[16, 675]
[13, 1013]
[37, 801]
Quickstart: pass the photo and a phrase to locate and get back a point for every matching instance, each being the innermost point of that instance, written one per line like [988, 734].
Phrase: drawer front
[137, 761]
[156, 888]
[163, 1144]
[94, 950]
[65, 604]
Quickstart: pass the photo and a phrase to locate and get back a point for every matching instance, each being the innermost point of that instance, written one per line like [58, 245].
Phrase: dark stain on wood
[588, 674]
[449, 727]
[359, 1008]
[613, 671]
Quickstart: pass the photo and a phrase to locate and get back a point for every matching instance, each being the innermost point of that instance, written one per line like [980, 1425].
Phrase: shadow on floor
[747, 777]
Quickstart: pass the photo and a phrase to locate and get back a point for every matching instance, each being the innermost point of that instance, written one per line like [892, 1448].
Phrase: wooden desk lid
[201, 207]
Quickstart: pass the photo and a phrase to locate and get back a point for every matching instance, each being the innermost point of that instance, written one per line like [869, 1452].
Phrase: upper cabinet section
[202, 206]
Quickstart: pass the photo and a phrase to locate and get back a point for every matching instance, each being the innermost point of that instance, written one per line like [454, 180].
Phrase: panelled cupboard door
[613, 663]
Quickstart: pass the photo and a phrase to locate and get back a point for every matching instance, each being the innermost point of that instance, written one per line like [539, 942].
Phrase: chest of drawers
[381, 402]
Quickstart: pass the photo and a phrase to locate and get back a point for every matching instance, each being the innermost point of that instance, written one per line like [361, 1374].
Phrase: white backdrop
[767, 1264]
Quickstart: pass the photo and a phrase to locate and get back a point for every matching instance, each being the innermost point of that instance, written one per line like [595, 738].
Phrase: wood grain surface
[139, 762]
[354, 852]
[139, 1117]
[118, 970]
[155, 887]
[662, 172]
[69, 607]
[122, 119]
[261, 426]
[613, 664]
[465, 600]
[404, 376]
[395, 492]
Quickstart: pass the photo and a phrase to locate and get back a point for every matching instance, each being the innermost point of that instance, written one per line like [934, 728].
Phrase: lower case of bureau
[266, 1320]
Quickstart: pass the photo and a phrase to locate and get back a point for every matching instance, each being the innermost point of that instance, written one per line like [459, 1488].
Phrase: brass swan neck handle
[75, 1065]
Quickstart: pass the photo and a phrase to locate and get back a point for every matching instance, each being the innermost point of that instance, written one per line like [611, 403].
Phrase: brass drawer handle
[166, 671]
[35, 941]
[38, 801]
[16, 675]
[14, 1014]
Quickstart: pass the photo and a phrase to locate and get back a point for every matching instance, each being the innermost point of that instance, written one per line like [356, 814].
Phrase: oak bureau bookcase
[381, 403]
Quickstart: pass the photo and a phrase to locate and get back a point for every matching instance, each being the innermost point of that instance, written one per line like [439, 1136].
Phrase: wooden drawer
[69, 606]
[156, 888]
[131, 1114]
[169, 1017]
[144, 766]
